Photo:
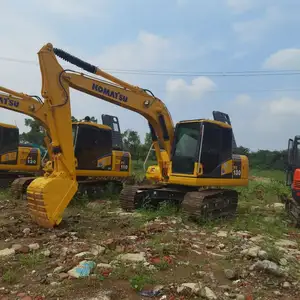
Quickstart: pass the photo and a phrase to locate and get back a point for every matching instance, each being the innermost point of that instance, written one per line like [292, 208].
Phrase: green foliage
[264, 159]
[36, 133]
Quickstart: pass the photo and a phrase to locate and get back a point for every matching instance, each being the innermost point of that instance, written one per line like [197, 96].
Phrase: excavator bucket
[48, 197]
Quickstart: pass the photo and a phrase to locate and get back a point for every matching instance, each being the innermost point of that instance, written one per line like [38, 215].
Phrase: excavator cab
[9, 143]
[201, 148]
[92, 145]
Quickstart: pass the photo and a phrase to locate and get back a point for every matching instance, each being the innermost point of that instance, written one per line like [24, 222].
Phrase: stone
[58, 269]
[20, 248]
[133, 257]
[240, 297]
[222, 233]
[98, 250]
[251, 252]
[7, 252]
[278, 206]
[194, 287]
[54, 283]
[221, 246]
[207, 293]
[47, 253]
[286, 285]
[268, 266]
[286, 244]
[262, 254]
[83, 254]
[104, 266]
[26, 231]
[225, 287]
[34, 246]
[230, 274]
[210, 246]
[63, 276]
[257, 238]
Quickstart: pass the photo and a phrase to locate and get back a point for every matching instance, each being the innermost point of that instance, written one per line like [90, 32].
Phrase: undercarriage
[198, 204]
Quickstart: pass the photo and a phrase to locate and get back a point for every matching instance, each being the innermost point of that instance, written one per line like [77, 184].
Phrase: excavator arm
[23, 103]
[112, 90]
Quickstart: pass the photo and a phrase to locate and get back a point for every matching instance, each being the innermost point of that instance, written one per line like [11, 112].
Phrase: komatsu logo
[9, 102]
[109, 93]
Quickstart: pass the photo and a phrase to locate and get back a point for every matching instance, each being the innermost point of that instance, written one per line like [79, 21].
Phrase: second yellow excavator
[16, 160]
[195, 159]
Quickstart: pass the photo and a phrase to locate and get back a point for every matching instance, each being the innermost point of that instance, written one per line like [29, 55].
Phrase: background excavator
[292, 205]
[16, 160]
[97, 147]
[195, 158]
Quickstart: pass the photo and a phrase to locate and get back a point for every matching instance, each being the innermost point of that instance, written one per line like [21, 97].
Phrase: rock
[58, 269]
[286, 244]
[7, 252]
[104, 266]
[278, 206]
[243, 234]
[21, 295]
[207, 293]
[222, 233]
[268, 266]
[262, 254]
[20, 248]
[230, 274]
[257, 238]
[277, 293]
[133, 257]
[286, 285]
[54, 283]
[221, 246]
[83, 254]
[240, 297]
[26, 231]
[47, 253]
[283, 262]
[97, 250]
[210, 246]
[63, 276]
[193, 288]
[251, 252]
[34, 246]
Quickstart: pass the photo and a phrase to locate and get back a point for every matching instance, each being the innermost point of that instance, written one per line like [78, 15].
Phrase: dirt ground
[255, 256]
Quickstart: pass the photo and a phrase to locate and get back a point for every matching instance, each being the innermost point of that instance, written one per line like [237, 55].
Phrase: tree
[132, 143]
[36, 133]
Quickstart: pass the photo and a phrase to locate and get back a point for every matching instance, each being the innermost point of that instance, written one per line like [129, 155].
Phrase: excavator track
[210, 204]
[135, 196]
[19, 186]
[293, 210]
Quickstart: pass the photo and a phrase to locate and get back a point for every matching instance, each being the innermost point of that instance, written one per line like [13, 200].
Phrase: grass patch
[4, 194]
[273, 174]
[10, 276]
[31, 260]
[138, 275]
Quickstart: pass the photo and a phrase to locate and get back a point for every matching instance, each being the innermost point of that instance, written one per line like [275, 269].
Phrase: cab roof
[101, 126]
[222, 124]
[8, 125]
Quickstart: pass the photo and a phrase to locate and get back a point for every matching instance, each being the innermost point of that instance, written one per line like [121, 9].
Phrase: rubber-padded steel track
[293, 210]
[210, 204]
[19, 186]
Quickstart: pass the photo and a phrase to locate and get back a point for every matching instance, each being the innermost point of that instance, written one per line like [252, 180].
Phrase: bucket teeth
[37, 210]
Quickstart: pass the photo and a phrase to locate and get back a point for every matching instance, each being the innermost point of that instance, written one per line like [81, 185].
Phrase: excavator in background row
[16, 160]
[292, 204]
[99, 160]
[195, 159]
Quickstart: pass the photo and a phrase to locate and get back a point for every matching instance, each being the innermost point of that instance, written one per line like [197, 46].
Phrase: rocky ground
[151, 255]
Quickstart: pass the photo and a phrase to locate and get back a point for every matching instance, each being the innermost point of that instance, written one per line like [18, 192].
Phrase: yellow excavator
[195, 159]
[16, 160]
[99, 158]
